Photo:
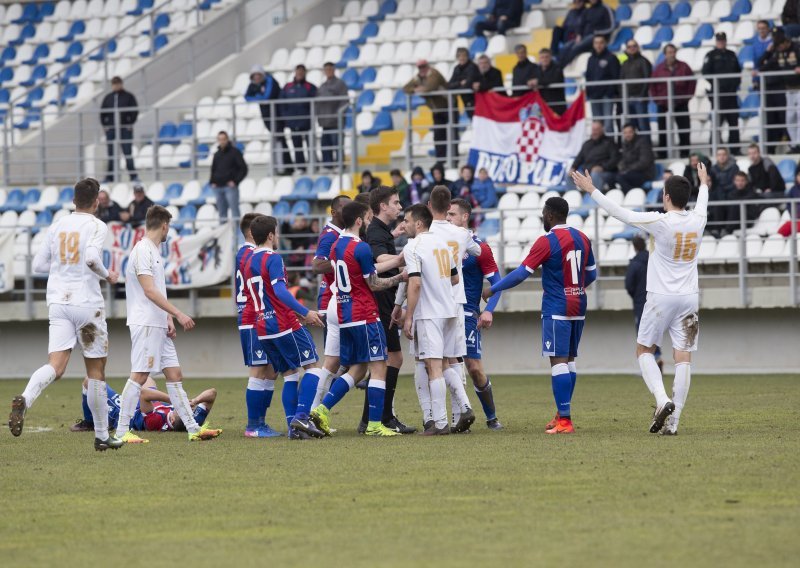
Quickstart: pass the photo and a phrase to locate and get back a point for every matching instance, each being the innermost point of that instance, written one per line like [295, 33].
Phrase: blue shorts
[362, 343]
[137, 422]
[254, 353]
[290, 351]
[560, 338]
[114, 400]
[473, 335]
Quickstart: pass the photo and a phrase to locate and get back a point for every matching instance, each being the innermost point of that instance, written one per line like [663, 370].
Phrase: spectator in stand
[489, 77]
[690, 172]
[761, 42]
[428, 80]
[297, 115]
[328, 114]
[462, 187]
[368, 182]
[782, 91]
[742, 190]
[263, 87]
[722, 176]
[563, 39]
[636, 286]
[523, 76]
[437, 173]
[596, 19]
[401, 185]
[227, 171]
[483, 190]
[764, 174]
[118, 114]
[599, 155]
[636, 67]
[505, 15]
[723, 61]
[602, 66]
[297, 238]
[637, 164]
[682, 93]
[465, 73]
[108, 211]
[137, 210]
[790, 18]
[548, 73]
[418, 189]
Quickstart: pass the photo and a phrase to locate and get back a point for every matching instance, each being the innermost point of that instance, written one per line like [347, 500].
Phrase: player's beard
[362, 232]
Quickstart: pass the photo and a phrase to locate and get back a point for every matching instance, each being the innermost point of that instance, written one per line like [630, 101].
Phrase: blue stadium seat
[747, 55]
[30, 13]
[32, 197]
[161, 22]
[68, 91]
[168, 133]
[184, 130]
[141, 6]
[46, 9]
[749, 105]
[622, 36]
[681, 10]
[477, 47]
[71, 72]
[6, 75]
[205, 194]
[369, 30]
[486, 9]
[663, 35]
[280, 209]
[203, 150]
[350, 78]
[43, 219]
[739, 9]
[65, 197]
[366, 98]
[787, 168]
[74, 50]
[531, 3]
[8, 54]
[160, 42]
[240, 146]
[15, 201]
[39, 72]
[704, 32]
[623, 13]
[173, 192]
[187, 213]
[302, 208]
[368, 75]
[383, 121]
[34, 97]
[104, 50]
[348, 118]
[321, 185]
[653, 196]
[660, 15]
[303, 189]
[77, 28]
[571, 87]
[387, 7]
[351, 53]
[488, 228]
[42, 50]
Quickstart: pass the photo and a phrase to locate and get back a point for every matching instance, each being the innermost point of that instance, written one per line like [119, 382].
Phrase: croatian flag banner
[520, 140]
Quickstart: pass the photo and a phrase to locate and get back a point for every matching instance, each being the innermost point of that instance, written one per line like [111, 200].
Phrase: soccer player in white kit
[672, 288]
[152, 331]
[72, 256]
[432, 319]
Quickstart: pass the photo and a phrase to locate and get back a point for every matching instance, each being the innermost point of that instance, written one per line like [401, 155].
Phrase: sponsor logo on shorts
[547, 344]
[374, 348]
[306, 353]
[259, 353]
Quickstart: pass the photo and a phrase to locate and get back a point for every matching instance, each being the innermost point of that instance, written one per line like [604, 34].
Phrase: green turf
[725, 491]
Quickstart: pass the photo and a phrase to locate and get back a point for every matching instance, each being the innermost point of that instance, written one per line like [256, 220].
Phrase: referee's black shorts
[392, 331]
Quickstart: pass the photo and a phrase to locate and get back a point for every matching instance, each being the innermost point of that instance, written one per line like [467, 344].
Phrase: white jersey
[461, 244]
[429, 257]
[672, 267]
[69, 243]
[145, 258]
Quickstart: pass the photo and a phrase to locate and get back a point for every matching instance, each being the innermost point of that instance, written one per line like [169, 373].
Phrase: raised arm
[701, 207]
[584, 182]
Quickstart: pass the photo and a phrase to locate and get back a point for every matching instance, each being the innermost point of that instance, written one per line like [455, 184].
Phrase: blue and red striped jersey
[273, 318]
[567, 261]
[244, 304]
[474, 270]
[352, 264]
[326, 239]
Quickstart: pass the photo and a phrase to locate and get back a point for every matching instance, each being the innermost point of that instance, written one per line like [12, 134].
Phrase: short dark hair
[462, 50]
[467, 167]
[546, 50]
[672, 45]
[638, 243]
[328, 64]
[395, 172]
[262, 227]
[86, 192]
[116, 80]
[337, 200]
[558, 206]
[300, 66]
[741, 174]
[754, 145]
[520, 46]
[629, 125]
[765, 22]
[247, 220]
[679, 189]
[362, 198]
[440, 199]
[223, 132]
[462, 204]
[156, 216]
[380, 195]
[420, 213]
[352, 212]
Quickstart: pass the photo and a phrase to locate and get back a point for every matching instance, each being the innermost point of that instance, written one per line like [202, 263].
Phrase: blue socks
[289, 396]
[339, 388]
[376, 392]
[487, 400]
[573, 372]
[308, 390]
[87, 413]
[562, 388]
[258, 397]
[200, 414]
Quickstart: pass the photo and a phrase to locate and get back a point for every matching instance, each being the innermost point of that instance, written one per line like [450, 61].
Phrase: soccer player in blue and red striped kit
[568, 267]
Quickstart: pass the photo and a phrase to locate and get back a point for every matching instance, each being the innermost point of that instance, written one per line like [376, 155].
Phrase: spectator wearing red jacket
[682, 92]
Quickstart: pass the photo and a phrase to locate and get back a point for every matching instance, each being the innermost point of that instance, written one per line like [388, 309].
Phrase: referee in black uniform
[386, 208]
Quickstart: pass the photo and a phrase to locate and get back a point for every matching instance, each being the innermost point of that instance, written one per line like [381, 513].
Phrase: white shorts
[87, 326]
[461, 338]
[151, 350]
[678, 314]
[332, 321]
[439, 338]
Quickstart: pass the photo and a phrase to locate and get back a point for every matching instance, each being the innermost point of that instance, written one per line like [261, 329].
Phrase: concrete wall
[732, 341]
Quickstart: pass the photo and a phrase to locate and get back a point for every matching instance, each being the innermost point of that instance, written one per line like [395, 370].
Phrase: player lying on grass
[672, 287]
[153, 413]
[568, 268]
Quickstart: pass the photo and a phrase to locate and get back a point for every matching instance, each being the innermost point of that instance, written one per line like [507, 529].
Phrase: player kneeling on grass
[72, 256]
[152, 331]
[672, 288]
[362, 341]
[568, 267]
[288, 344]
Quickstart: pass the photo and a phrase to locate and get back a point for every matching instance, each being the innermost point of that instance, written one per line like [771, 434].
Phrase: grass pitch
[726, 491]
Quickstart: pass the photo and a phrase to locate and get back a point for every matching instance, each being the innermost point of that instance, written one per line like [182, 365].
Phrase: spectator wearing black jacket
[548, 73]
[722, 176]
[602, 66]
[437, 173]
[636, 66]
[137, 209]
[790, 18]
[764, 174]
[227, 171]
[637, 164]
[465, 73]
[636, 284]
[784, 55]
[118, 114]
[107, 210]
[264, 87]
[523, 76]
[690, 171]
[489, 77]
[723, 61]
[597, 19]
[328, 114]
[743, 190]
[564, 36]
[297, 115]
[505, 15]
[599, 155]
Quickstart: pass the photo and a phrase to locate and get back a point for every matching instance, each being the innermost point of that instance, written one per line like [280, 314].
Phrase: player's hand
[404, 276]
[487, 293]
[171, 332]
[186, 322]
[486, 320]
[113, 277]
[407, 326]
[702, 174]
[397, 316]
[583, 181]
[312, 318]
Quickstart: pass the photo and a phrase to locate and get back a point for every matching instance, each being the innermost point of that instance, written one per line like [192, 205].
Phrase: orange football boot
[563, 426]
[553, 422]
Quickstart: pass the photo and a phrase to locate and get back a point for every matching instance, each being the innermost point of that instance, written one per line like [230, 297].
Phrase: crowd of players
[361, 306]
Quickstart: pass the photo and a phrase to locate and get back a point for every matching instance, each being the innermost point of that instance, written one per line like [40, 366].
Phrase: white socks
[40, 380]
[97, 399]
[127, 406]
[180, 402]
[652, 378]
[452, 376]
[323, 386]
[423, 391]
[256, 384]
[438, 389]
[680, 387]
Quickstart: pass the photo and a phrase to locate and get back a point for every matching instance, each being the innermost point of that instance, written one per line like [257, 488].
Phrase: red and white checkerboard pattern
[530, 139]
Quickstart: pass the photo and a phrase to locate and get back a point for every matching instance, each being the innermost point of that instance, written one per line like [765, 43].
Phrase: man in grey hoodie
[328, 114]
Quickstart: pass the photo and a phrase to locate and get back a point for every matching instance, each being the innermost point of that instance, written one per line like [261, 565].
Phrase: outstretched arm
[376, 283]
[701, 207]
[584, 182]
[510, 280]
[495, 299]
